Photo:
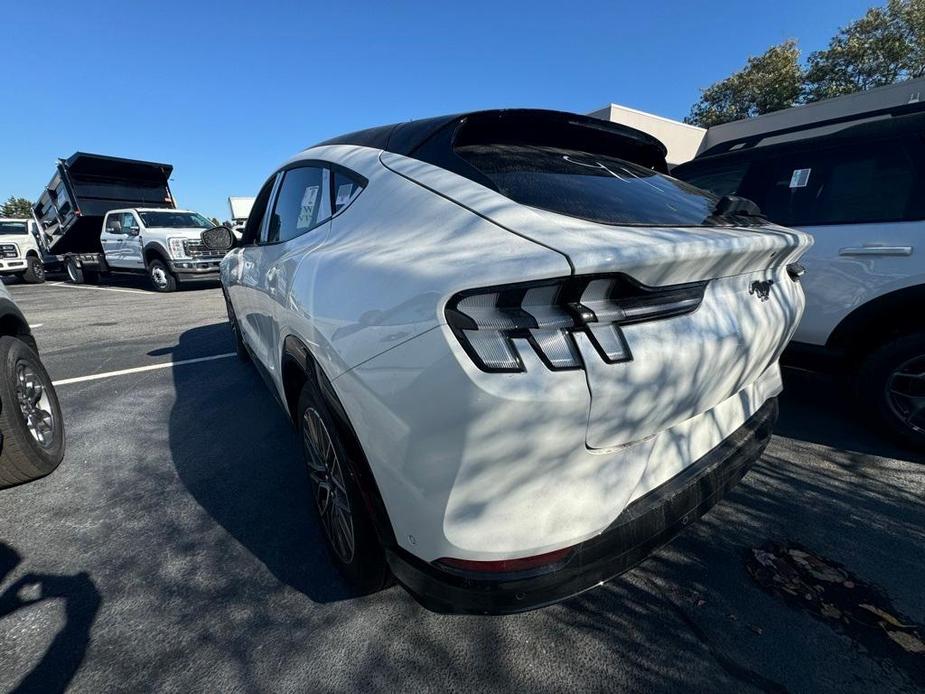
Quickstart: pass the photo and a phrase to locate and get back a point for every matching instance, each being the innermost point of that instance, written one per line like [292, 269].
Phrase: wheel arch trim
[14, 324]
[155, 250]
[876, 320]
[296, 355]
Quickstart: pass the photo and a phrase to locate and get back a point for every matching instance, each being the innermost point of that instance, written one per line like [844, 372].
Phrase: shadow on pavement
[819, 408]
[120, 280]
[687, 619]
[238, 456]
[82, 601]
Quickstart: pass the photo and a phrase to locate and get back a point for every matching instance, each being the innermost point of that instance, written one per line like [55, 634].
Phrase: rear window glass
[589, 186]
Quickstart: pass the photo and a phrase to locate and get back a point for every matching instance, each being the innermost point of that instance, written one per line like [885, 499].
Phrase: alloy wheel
[905, 390]
[159, 277]
[325, 471]
[34, 404]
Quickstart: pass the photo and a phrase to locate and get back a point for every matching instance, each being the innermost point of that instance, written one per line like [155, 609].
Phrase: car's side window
[254, 223]
[346, 188]
[721, 180]
[303, 202]
[110, 223]
[856, 184]
[129, 222]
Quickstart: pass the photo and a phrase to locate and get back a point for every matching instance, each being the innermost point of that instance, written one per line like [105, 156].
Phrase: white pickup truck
[162, 243]
[20, 254]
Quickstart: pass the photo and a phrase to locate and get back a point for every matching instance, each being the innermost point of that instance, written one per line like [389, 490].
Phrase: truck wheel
[35, 271]
[74, 273]
[161, 277]
[345, 523]
[30, 416]
[891, 383]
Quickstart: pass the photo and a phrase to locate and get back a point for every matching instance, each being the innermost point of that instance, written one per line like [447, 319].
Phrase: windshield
[13, 228]
[595, 187]
[169, 219]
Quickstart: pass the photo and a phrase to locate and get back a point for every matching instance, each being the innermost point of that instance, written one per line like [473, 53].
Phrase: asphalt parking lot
[175, 549]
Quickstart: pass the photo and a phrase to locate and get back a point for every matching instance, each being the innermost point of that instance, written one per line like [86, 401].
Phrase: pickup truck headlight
[548, 313]
[175, 247]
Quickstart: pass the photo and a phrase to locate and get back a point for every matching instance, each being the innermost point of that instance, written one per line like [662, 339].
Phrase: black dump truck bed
[87, 186]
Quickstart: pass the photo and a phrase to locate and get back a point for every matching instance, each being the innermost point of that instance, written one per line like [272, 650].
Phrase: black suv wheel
[891, 382]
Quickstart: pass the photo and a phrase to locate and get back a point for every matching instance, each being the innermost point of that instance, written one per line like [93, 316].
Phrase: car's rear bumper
[646, 523]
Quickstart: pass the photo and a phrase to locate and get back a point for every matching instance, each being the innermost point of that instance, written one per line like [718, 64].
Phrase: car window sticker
[800, 178]
[307, 210]
[344, 192]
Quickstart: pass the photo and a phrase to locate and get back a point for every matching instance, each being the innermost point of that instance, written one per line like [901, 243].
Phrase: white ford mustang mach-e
[521, 356]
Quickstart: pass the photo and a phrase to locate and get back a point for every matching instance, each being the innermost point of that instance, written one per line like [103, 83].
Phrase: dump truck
[102, 214]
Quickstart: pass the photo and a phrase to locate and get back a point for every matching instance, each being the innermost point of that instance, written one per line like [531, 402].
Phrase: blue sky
[225, 91]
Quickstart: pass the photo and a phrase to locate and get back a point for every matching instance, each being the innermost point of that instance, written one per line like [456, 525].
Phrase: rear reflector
[549, 560]
[547, 314]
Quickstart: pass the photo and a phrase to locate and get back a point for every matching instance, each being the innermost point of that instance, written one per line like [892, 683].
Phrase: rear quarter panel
[392, 260]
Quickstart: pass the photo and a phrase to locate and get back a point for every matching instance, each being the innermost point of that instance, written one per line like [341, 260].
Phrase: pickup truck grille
[194, 249]
[9, 250]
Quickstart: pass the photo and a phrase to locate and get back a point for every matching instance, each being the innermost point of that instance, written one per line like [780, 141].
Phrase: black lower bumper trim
[644, 525]
[201, 275]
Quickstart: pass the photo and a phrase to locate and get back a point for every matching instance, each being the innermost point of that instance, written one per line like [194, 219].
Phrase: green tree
[768, 82]
[16, 207]
[884, 46]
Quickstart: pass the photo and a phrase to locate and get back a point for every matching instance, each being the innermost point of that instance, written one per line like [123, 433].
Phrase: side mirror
[218, 238]
[133, 231]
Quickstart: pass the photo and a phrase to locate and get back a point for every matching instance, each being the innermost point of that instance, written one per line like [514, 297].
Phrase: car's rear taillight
[547, 314]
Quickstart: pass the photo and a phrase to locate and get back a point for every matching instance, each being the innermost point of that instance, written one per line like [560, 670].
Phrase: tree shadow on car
[60, 661]
[237, 454]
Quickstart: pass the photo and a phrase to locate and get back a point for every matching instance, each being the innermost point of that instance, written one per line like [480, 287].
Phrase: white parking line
[139, 369]
[36, 325]
[67, 285]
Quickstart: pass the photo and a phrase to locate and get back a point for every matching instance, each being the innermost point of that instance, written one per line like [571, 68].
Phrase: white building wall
[681, 139]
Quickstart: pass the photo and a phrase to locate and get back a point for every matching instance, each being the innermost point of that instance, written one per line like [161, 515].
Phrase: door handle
[876, 250]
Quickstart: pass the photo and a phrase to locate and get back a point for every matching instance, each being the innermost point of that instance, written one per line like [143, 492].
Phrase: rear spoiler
[434, 139]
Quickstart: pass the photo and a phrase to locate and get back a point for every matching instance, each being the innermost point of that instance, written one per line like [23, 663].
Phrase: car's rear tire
[35, 271]
[891, 384]
[30, 416]
[74, 274]
[162, 279]
[348, 530]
